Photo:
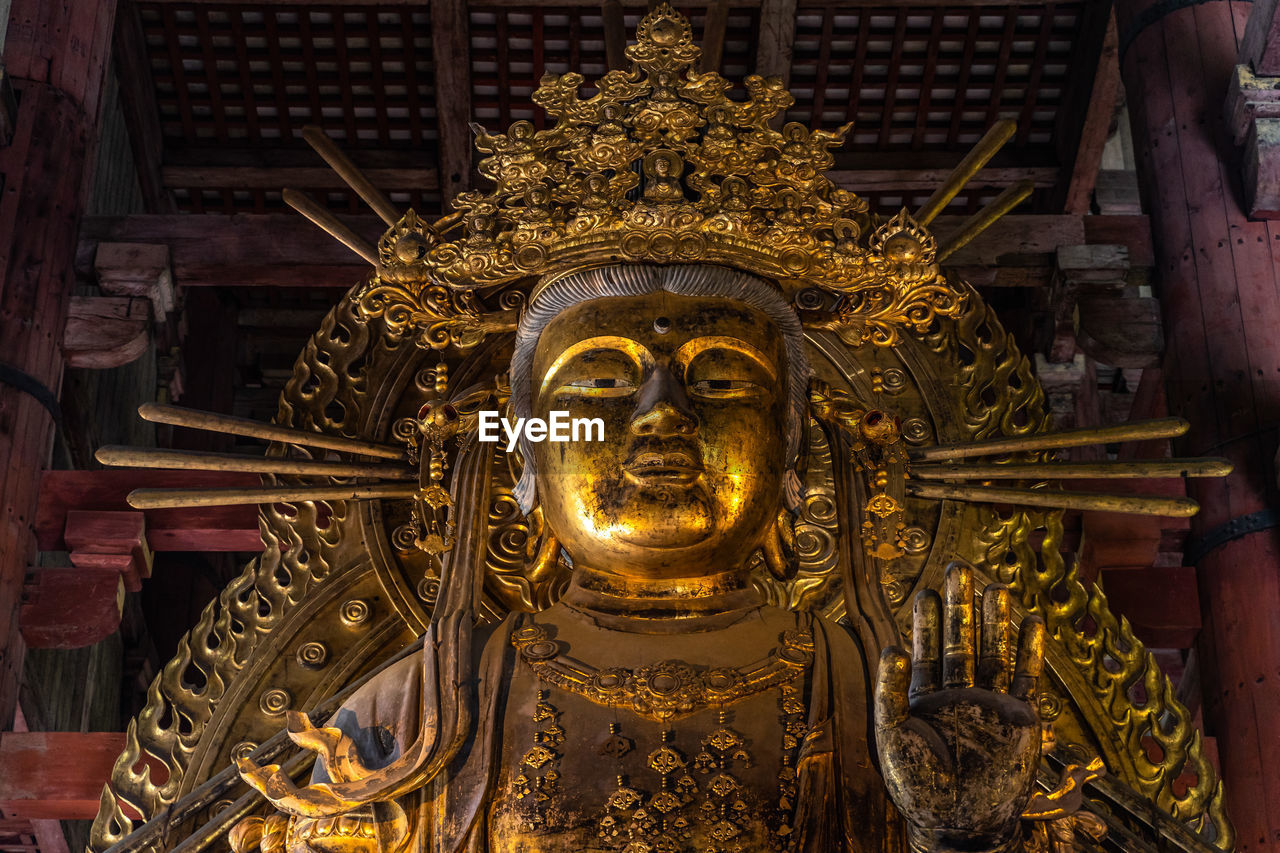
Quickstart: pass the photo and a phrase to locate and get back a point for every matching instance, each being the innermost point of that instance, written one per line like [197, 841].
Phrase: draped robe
[840, 801]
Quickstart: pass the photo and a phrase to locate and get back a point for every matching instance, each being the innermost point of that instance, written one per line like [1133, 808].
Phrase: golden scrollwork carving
[1133, 701]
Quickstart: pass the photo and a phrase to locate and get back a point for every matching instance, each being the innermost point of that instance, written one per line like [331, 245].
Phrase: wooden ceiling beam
[298, 177]
[222, 528]
[408, 179]
[286, 154]
[193, 157]
[451, 58]
[283, 250]
[930, 178]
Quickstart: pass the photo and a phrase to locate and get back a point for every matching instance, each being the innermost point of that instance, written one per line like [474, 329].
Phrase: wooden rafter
[56, 775]
[451, 58]
[286, 251]
[405, 179]
[954, 67]
[138, 102]
[1086, 125]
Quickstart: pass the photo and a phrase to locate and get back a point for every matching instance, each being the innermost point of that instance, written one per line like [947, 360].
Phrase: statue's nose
[662, 409]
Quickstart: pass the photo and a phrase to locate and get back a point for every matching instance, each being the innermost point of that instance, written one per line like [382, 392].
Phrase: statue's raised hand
[957, 724]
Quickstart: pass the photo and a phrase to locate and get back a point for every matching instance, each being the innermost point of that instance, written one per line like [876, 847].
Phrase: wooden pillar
[1216, 273]
[451, 54]
[56, 55]
[777, 39]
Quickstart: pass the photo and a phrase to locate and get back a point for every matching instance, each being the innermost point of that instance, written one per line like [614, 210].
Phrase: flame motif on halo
[717, 184]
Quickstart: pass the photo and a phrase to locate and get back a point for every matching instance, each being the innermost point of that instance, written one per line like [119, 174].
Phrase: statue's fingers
[926, 642]
[1031, 642]
[995, 660]
[958, 628]
[892, 704]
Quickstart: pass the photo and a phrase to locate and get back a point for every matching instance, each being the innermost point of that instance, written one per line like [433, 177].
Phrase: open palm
[957, 724]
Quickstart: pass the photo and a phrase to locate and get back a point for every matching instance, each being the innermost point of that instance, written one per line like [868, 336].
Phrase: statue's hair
[638, 280]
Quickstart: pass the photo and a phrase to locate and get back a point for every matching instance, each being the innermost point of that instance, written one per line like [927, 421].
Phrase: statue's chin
[655, 517]
[668, 539]
[672, 526]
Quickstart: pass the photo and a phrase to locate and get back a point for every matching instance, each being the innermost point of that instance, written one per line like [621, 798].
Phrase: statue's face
[691, 391]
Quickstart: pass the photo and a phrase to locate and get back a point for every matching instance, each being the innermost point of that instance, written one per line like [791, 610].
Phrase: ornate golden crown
[660, 166]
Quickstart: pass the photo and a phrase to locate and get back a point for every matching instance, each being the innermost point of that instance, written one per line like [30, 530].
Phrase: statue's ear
[780, 547]
[542, 549]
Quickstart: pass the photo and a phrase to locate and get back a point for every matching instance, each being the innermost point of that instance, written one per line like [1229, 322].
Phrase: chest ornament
[668, 689]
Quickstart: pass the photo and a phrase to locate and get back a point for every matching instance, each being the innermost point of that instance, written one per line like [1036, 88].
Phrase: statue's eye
[600, 383]
[598, 387]
[725, 388]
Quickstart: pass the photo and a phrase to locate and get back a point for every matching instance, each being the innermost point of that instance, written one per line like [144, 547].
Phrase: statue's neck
[665, 606]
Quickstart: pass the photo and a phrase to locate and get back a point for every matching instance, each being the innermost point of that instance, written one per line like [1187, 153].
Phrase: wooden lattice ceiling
[235, 84]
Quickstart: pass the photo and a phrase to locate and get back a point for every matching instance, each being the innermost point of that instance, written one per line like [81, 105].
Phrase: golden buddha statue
[660, 704]
[663, 636]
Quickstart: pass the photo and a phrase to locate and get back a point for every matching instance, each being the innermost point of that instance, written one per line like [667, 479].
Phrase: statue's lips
[663, 469]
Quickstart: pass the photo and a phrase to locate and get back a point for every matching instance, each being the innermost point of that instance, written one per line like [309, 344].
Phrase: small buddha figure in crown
[662, 177]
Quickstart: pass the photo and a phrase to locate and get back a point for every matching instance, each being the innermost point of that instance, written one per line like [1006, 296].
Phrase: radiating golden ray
[174, 498]
[1117, 470]
[1134, 431]
[981, 153]
[332, 224]
[163, 413]
[985, 218]
[190, 460]
[351, 174]
[1094, 501]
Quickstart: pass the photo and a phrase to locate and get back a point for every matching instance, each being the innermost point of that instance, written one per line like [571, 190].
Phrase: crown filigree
[659, 166]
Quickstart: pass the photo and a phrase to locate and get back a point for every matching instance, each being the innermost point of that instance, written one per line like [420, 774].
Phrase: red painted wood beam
[1217, 284]
[70, 608]
[110, 539]
[56, 775]
[284, 250]
[56, 56]
[232, 528]
[1118, 541]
